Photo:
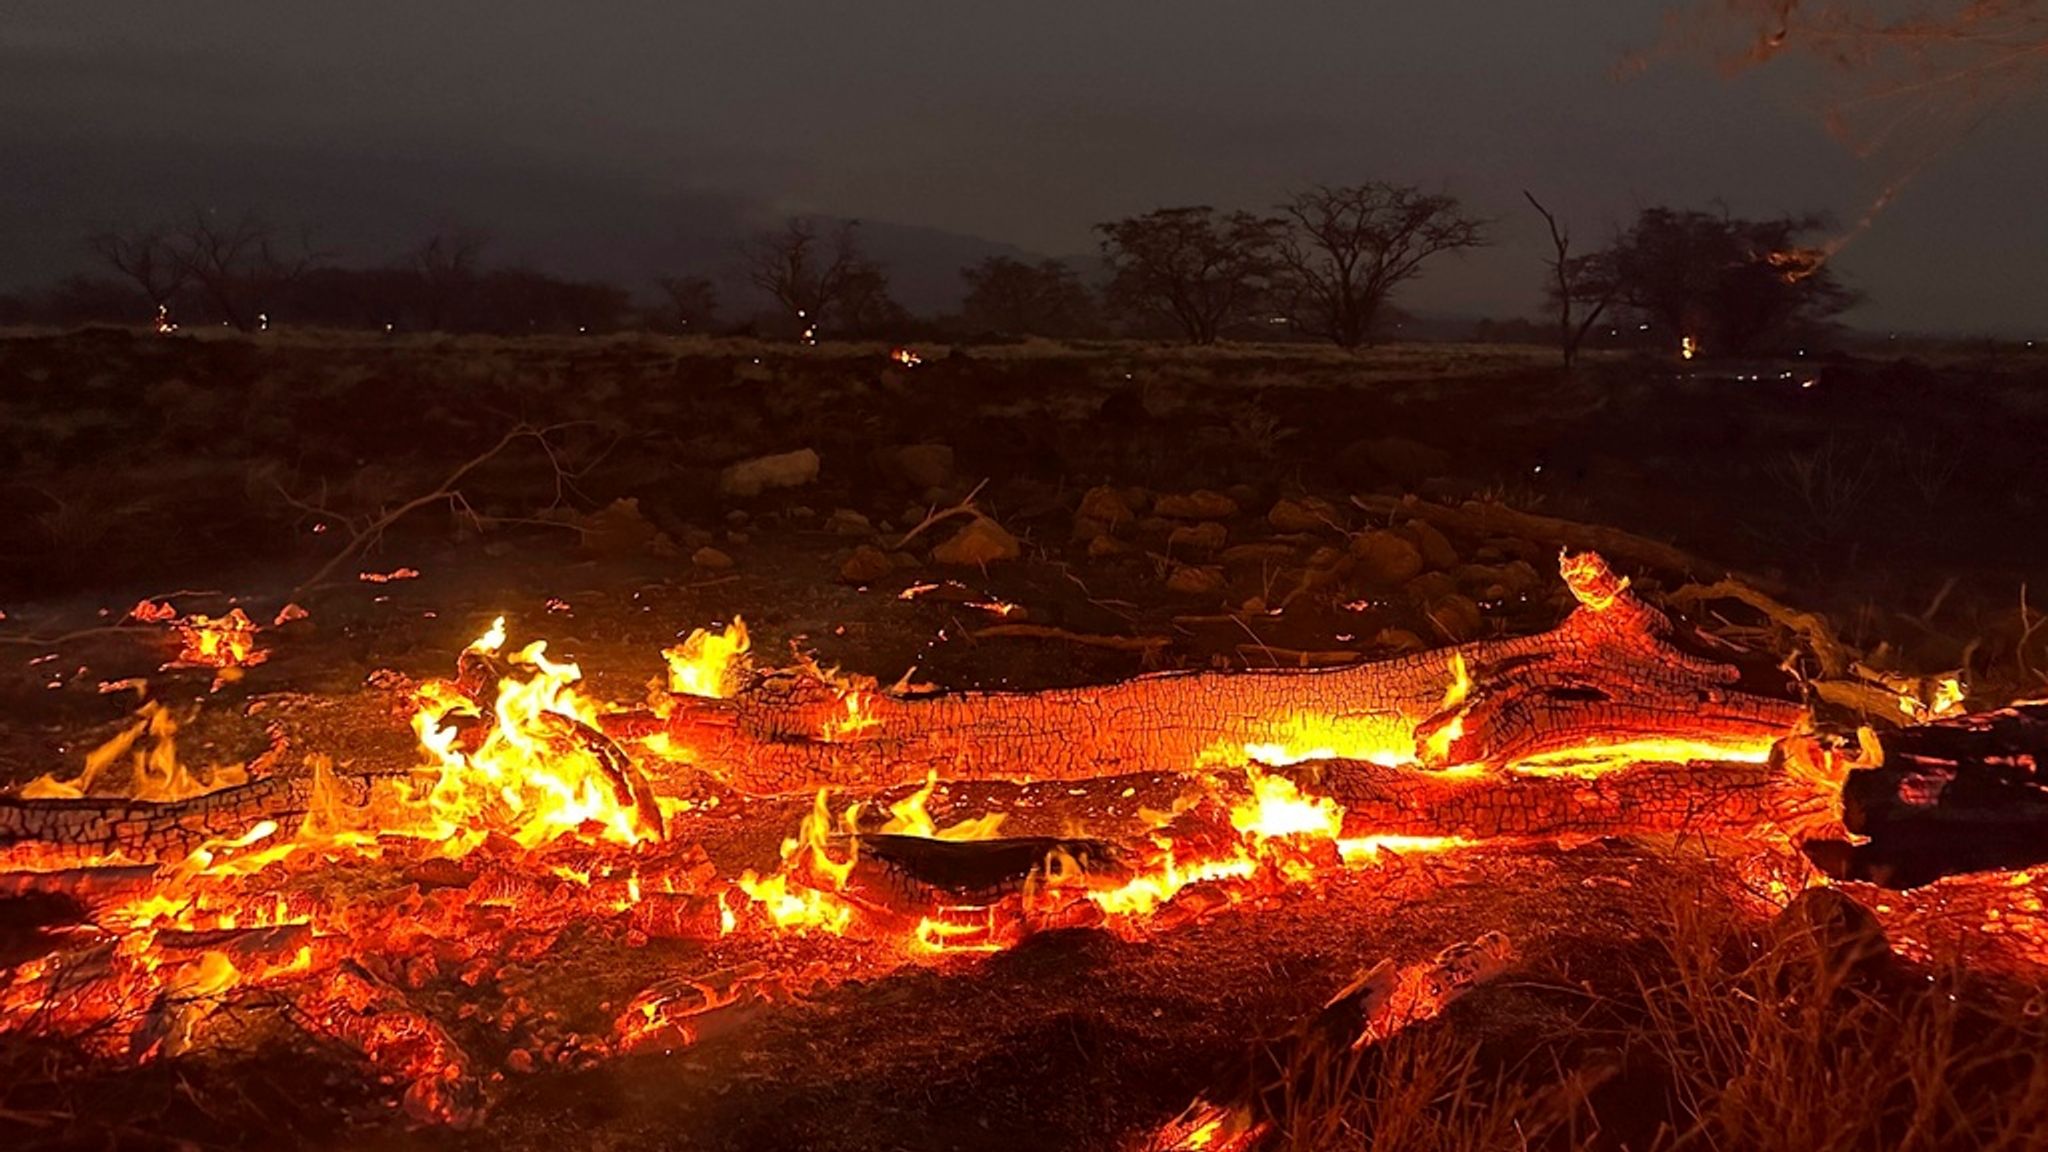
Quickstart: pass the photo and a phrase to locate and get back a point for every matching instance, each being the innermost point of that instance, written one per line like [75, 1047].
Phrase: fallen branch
[1478, 518]
[1088, 640]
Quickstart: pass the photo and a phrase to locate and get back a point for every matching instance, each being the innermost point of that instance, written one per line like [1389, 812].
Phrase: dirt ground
[215, 472]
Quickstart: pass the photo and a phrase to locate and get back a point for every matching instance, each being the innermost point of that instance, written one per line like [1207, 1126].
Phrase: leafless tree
[812, 277]
[1193, 266]
[692, 300]
[1582, 287]
[445, 267]
[1346, 249]
[239, 266]
[146, 257]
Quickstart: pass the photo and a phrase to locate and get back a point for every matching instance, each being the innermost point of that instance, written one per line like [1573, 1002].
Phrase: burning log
[1609, 675]
[1702, 799]
[92, 829]
[1965, 794]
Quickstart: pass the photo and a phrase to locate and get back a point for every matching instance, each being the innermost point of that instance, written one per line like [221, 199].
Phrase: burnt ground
[1892, 495]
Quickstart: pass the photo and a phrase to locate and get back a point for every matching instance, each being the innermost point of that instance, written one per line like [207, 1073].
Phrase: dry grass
[1714, 1037]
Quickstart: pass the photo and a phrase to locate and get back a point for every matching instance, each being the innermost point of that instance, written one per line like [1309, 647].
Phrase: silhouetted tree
[145, 257]
[692, 301]
[1013, 297]
[815, 279]
[445, 268]
[239, 267]
[1345, 250]
[1191, 266]
[1734, 285]
[1581, 287]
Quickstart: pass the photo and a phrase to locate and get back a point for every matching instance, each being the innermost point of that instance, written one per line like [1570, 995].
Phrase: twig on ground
[934, 517]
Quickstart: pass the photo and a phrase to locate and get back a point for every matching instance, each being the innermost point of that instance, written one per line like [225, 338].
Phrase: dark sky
[1019, 123]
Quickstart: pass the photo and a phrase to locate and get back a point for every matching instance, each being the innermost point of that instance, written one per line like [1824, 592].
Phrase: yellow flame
[708, 663]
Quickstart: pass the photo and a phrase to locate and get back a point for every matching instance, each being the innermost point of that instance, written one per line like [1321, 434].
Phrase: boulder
[1386, 559]
[1207, 536]
[1436, 548]
[1307, 514]
[1105, 505]
[1195, 580]
[867, 565]
[924, 465]
[750, 478]
[981, 542]
[847, 522]
[711, 560]
[1202, 504]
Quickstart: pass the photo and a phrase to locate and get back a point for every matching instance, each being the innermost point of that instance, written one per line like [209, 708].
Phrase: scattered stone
[752, 477]
[1307, 514]
[1457, 617]
[738, 537]
[1207, 536]
[695, 538]
[1386, 559]
[711, 560]
[1431, 587]
[867, 565]
[905, 560]
[1106, 505]
[801, 512]
[1087, 528]
[738, 517]
[1196, 580]
[1398, 640]
[1202, 504]
[924, 465]
[1437, 551]
[1325, 558]
[982, 541]
[1825, 927]
[847, 522]
[618, 529]
[1106, 545]
[1267, 552]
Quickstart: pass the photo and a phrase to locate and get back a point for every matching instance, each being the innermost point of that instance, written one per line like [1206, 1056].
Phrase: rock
[618, 529]
[905, 560]
[1398, 640]
[750, 478]
[1386, 559]
[1271, 552]
[924, 465]
[1431, 587]
[737, 517]
[1105, 505]
[1825, 927]
[982, 541]
[1437, 551]
[1325, 558]
[1207, 536]
[801, 512]
[847, 522]
[1195, 580]
[1106, 545]
[1457, 617]
[867, 565]
[711, 560]
[1202, 504]
[1307, 514]
[1087, 528]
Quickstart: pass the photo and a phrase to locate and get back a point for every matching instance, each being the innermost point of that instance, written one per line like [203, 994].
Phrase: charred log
[83, 831]
[1704, 799]
[1968, 794]
[1612, 673]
